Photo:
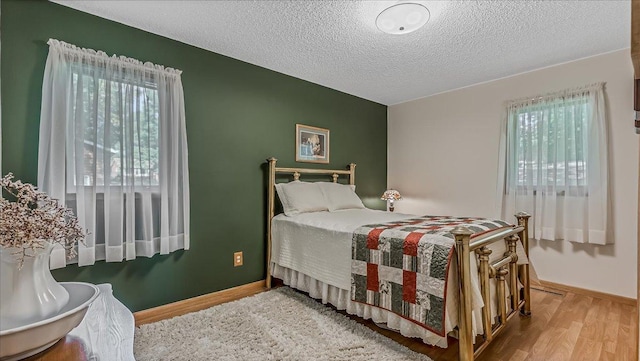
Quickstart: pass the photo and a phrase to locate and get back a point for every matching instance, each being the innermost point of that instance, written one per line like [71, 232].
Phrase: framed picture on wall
[312, 144]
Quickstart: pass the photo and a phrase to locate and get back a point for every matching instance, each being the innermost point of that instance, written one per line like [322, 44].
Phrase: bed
[338, 255]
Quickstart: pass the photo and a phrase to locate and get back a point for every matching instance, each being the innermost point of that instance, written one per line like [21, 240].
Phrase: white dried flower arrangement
[33, 218]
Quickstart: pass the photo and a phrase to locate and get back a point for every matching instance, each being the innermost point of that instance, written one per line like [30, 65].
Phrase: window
[113, 148]
[551, 146]
[556, 165]
[120, 122]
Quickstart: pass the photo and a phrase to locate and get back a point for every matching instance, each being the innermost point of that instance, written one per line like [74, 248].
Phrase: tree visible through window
[102, 108]
[551, 145]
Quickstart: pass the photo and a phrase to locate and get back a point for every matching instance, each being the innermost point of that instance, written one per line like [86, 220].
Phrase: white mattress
[315, 249]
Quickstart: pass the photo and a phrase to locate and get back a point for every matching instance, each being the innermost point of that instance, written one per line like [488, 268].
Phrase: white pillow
[301, 197]
[340, 196]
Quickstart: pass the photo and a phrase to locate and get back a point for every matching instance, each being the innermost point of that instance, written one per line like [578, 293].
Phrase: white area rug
[280, 324]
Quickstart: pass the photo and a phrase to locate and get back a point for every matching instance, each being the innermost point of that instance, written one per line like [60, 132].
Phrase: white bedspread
[317, 246]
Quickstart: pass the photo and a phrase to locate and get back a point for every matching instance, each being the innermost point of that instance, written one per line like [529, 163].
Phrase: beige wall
[443, 158]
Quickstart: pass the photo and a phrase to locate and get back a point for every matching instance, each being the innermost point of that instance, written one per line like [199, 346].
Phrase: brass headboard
[296, 172]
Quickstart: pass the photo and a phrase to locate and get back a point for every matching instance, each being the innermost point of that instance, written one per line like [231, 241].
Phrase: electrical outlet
[237, 259]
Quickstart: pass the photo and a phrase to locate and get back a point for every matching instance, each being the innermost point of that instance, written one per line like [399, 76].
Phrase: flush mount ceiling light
[402, 18]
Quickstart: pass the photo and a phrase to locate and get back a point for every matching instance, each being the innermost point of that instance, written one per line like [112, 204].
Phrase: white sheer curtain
[555, 153]
[113, 147]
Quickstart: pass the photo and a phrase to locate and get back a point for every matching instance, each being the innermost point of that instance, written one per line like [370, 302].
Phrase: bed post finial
[352, 173]
[465, 344]
[501, 281]
[523, 221]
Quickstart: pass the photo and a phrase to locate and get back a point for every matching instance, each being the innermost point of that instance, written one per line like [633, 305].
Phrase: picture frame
[312, 144]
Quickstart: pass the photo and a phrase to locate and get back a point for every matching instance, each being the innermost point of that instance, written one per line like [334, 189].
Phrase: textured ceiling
[336, 43]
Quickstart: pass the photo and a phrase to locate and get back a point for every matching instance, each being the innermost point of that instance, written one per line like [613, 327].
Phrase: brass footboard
[503, 269]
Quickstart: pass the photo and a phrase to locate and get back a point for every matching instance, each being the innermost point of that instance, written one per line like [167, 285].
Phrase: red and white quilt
[403, 266]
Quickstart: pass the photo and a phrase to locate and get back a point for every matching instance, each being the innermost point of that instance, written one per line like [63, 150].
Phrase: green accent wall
[238, 115]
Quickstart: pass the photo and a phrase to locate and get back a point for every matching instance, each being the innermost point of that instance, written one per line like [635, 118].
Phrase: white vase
[29, 293]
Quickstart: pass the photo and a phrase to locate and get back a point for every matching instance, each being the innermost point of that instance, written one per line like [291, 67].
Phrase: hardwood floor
[68, 348]
[564, 326]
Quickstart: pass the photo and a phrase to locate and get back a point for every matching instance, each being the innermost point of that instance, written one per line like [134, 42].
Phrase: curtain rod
[556, 94]
[99, 54]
